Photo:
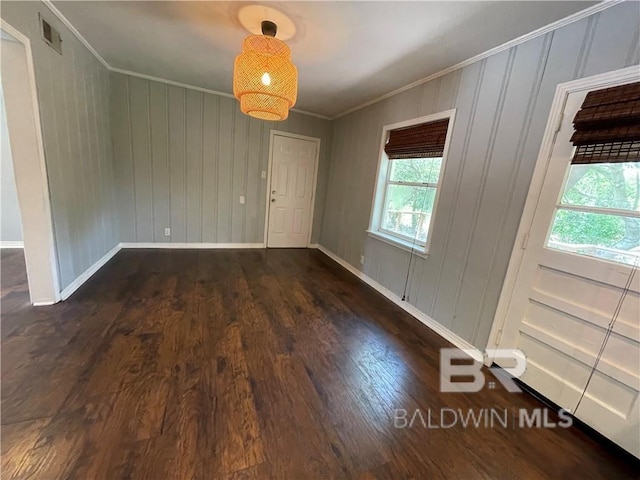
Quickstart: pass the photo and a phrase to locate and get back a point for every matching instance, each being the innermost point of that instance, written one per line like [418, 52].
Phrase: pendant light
[264, 79]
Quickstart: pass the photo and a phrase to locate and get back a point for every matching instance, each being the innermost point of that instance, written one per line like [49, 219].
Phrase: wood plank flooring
[245, 364]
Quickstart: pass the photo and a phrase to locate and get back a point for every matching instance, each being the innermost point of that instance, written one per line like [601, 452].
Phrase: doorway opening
[26, 149]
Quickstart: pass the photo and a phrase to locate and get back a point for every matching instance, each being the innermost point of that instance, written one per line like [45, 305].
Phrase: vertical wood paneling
[428, 97]
[123, 166]
[225, 165]
[502, 104]
[70, 173]
[98, 194]
[466, 103]
[615, 31]
[184, 157]
[326, 130]
[56, 145]
[194, 165]
[251, 231]
[210, 143]
[112, 206]
[238, 176]
[482, 180]
[177, 163]
[506, 157]
[79, 238]
[159, 139]
[73, 95]
[141, 151]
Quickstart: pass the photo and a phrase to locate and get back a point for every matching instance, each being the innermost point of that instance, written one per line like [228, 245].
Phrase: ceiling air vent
[50, 35]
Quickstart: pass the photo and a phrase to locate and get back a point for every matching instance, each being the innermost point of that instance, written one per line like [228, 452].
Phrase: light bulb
[266, 79]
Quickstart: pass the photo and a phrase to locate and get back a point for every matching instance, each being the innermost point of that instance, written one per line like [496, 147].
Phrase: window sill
[399, 243]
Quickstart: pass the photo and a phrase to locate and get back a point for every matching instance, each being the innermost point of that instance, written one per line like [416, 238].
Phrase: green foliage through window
[600, 233]
[410, 196]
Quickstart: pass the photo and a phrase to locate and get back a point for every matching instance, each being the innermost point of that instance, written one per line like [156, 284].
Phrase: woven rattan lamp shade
[270, 96]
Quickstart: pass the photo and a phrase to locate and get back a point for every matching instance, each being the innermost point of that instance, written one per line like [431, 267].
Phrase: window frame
[383, 181]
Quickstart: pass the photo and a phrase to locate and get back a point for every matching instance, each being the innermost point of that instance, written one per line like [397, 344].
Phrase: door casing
[315, 180]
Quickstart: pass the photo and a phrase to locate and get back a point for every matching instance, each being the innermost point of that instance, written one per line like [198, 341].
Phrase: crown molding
[169, 82]
[500, 48]
[193, 87]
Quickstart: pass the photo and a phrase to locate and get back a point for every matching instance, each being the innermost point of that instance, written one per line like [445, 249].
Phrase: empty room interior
[320, 240]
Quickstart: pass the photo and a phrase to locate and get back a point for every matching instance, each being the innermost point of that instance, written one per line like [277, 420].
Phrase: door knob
[273, 199]
[273, 192]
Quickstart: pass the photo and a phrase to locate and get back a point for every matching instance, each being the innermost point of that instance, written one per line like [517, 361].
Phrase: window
[598, 213]
[410, 169]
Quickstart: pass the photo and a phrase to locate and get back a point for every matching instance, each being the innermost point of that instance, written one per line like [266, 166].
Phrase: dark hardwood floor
[246, 364]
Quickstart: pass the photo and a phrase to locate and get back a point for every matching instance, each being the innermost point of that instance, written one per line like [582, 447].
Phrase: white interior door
[569, 289]
[291, 191]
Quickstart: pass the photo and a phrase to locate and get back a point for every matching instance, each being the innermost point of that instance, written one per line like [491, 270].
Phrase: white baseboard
[43, 304]
[314, 245]
[73, 286]
[191, 245]
[11, 244]
[444, 332]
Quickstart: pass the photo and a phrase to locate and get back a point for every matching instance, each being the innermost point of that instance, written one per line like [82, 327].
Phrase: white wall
[73, 95]
[502, 107]
[10, 225]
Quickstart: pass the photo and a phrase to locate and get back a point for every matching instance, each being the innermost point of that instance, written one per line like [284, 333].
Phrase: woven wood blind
[418, 141]
[607, 127]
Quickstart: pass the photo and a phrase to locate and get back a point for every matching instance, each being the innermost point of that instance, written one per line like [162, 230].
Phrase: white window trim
[375, 230]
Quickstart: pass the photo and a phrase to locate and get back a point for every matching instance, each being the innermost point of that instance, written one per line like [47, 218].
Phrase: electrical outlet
[361, 259]
[242, 199]
[263, 174]
[167, 232]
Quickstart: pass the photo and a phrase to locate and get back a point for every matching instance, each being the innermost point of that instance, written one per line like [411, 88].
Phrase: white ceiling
[347, 53]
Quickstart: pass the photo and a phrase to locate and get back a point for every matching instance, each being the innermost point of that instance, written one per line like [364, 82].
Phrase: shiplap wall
[73, 95]
[502, 107]
[184, 157]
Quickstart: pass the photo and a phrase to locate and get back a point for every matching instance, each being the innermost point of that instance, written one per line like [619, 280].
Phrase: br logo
[464, 372]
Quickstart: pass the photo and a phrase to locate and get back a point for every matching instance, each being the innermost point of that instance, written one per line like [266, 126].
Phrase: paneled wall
[11, 227]
[502, 107]
[73, 95]
[184, 157]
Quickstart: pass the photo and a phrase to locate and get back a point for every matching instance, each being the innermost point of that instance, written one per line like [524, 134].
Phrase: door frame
[37, 226]
[556, 115]
[317, 141]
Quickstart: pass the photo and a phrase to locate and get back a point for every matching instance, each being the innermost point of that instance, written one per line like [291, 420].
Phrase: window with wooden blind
[410, 170]
[598, 213]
